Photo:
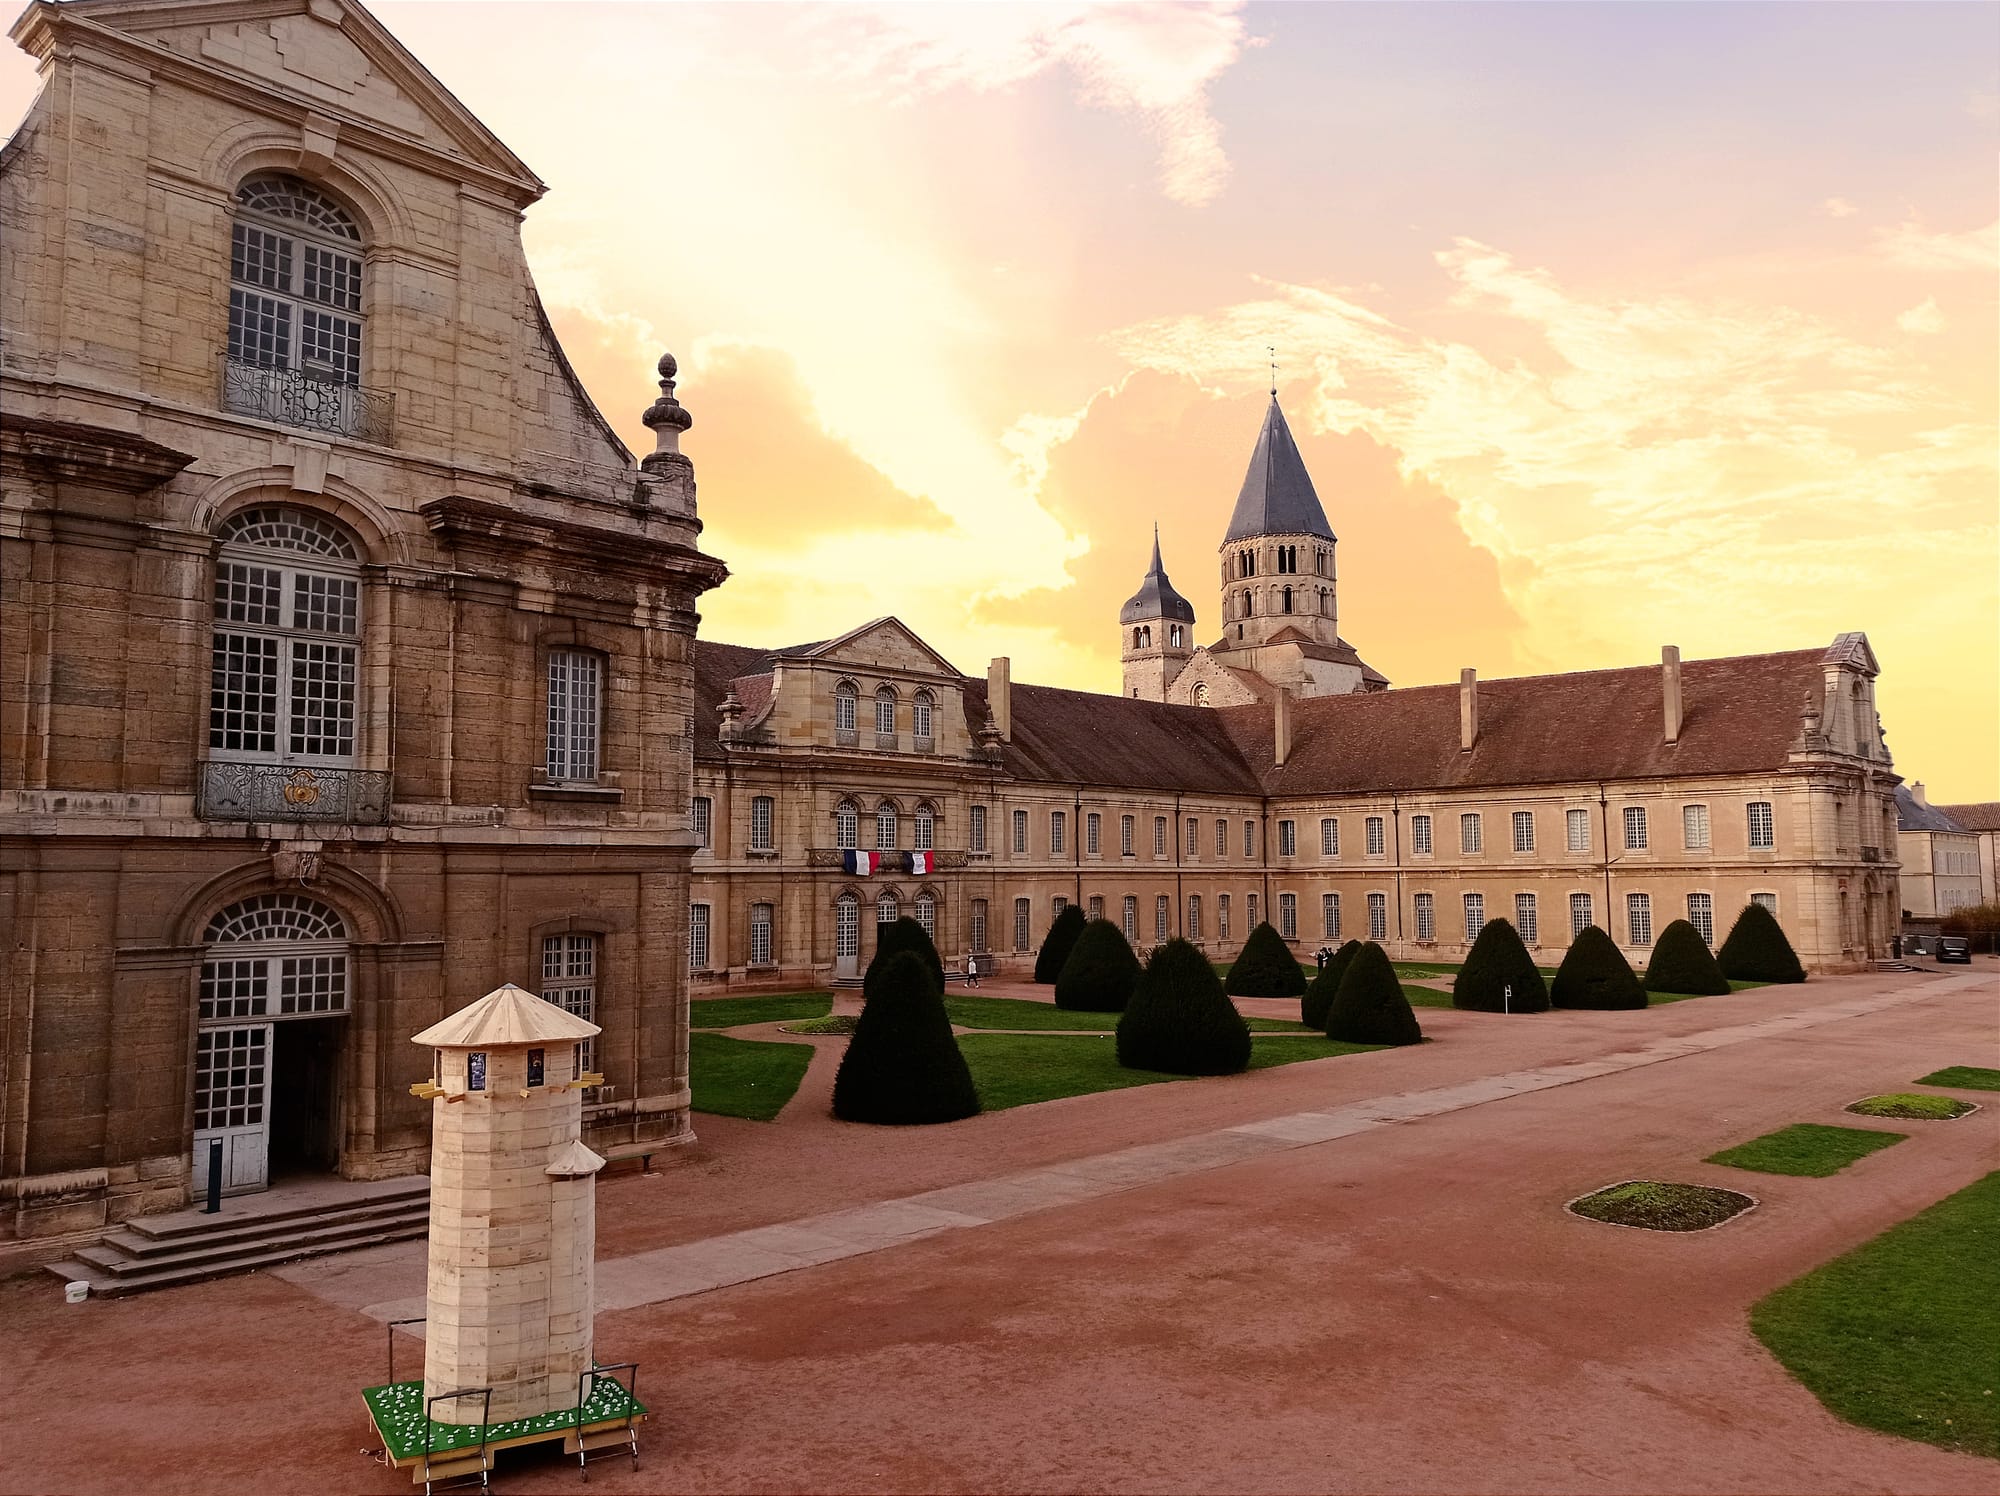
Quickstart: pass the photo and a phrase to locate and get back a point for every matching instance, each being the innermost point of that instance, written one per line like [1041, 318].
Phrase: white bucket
[75, 1291]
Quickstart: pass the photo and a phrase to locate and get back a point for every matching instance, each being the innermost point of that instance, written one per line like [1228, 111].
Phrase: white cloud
[1914, 247]
[1154, 62]
[1924, 317]
[1838, 207]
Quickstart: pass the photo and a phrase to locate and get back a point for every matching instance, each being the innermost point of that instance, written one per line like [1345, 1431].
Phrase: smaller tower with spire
[1155, 633]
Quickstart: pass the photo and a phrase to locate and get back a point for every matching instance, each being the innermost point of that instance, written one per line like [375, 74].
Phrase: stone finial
[667, 417]
[730, 710]
[989, 736]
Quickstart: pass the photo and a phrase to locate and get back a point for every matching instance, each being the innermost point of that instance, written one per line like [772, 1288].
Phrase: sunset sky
[1601, 327]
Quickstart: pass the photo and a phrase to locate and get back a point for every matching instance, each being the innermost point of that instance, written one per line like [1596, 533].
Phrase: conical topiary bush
[894, 938]
[1757, 950]
[1369, 1007]
[1594, 975]
[1681, 963]
[1058, 943]
[1180, 1020]
[902, 1067]
[1325, 982]
[1266, 967]
[1100, 972]
[1496, 963]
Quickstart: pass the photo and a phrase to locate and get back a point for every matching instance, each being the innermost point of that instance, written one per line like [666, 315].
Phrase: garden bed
[1909, 1106]
[1658, 1205]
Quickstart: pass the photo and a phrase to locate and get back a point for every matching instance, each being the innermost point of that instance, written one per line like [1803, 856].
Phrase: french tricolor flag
[861, 862]
[923, 862]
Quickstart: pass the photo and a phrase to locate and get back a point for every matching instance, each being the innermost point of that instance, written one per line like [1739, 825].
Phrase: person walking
[971, 969]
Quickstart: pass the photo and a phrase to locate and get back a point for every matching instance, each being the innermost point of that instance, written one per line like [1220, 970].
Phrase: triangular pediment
[1853, 650]
[332, 54]
[883, 644]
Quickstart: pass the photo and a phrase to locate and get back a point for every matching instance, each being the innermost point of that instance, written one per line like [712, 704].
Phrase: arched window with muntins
[923, 830]
[295, 282]
[927, 913]
[1201, 693]
[885, 710]
[277, 955]
[888, 908]
[845, 698]
[920, 714]
[885, 827]
[846, 825]
[285, 657]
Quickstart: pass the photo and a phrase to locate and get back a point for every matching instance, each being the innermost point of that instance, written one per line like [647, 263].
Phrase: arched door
[274, 984]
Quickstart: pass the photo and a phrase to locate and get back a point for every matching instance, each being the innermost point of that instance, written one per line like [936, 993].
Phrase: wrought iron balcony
[292, 397]
[288, 792]
[892, 861]
[846, 737]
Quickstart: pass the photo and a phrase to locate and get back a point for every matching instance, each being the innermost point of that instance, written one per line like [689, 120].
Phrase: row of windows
[1142, 637]
[1760, 829]
[1286, 558]
[846, 705]
[1287, 599]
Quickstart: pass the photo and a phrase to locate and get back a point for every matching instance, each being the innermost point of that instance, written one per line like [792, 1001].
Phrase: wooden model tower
[513, 1207]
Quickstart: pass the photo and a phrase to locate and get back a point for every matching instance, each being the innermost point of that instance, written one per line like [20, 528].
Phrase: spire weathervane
[1274, 369]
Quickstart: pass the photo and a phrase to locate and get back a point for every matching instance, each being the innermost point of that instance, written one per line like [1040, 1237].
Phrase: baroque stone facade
[345, 652]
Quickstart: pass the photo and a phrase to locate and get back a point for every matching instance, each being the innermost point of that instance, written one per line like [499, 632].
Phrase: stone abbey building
[348, 668]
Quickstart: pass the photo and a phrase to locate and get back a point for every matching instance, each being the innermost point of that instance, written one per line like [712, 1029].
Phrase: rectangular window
[243, 694]
[1524, 831]
[573, 705]
[1420, 836]
[1288, 839]
[702, 818]
[1579, 914]
[1193, 830]
[979, 926]
[1763, 834]
[1329, 837]
[1163, 914]
[569, 980]
[1768, 900]
[1020, 831]
[760, 934]
[1694, 827]
[976, 835]
[1125, 836]
[1056, 907]
[1058, 829]
[1374, 831]
[697, 937]
[1222, 916]
[229, 1086]
[1635, 828]
[1475, 916]
[1194, 916]
[1093, 833]
[1527, 919]
[1095, 909]
[1288, 915]
[762, 832]
[1221, 837]
[1329, 915]
[1579, 830]
[1251, 901]
[1639, 918]
[1378, 916]
[1159, 836]
[1701, 914]
[1020, 924]
[1471, 834]
[323, 686]
[1427, 923]
[1249, 838]
[1130, 921]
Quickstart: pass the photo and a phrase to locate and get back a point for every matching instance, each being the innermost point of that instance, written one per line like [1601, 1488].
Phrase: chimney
[999, 698]
[1917, 792]
[1670, 684]
[1468, 709]
[1281, 727]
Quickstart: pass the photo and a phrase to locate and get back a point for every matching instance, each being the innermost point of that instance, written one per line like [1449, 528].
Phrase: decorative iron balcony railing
[892, 862]
[292, 397]
[288, 792]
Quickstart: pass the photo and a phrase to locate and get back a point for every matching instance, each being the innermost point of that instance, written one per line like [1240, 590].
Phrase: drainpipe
[1604, 832]
[1076, 845]
[1180, 850]
[1396, 814]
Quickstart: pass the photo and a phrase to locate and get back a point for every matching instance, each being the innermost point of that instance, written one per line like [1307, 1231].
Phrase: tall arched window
[1174, 635]
[927, 913]
[285, 657]
[923, 833]
[294, 305]
[1288, 599]
[844, 699]
[920, 714]
[846, 825]
[885, 710]
[885, 827]
[846, 927]
[888, 908]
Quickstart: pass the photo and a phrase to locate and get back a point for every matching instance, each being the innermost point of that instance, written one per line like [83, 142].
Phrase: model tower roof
[506, 1015]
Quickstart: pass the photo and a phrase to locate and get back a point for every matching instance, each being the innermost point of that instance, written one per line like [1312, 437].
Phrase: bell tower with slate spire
[1155, 633]
[1277, 554]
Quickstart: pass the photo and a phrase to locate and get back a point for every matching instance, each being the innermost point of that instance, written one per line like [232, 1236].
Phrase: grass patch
[1654, 999]
[1407, 969]
[1806, 1149]
[1424, 997]
[1021, 1069]
[1898, 1335]
[1018, 1013]
[728, 1012]
[842, 1023]
[744, 1077]
[1963, 1078]
[1911, 1107]
[1655, 1205]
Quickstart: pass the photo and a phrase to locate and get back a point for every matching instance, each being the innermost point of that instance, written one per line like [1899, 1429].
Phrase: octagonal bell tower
[1155, 633]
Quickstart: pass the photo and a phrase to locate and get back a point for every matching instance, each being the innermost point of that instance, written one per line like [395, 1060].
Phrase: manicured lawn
[1657, 1205]
[1016, 1013]
[1654, 999]
[728, 1012]
[1963, 1078]
[1444, 969]
[744, 1077]
[1911, 1107]
[1424, 997]
[1806, 1149]
[1020, 1069]
[1899, 1334]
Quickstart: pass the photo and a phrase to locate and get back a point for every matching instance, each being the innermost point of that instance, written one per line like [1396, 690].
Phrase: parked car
[1954, 948]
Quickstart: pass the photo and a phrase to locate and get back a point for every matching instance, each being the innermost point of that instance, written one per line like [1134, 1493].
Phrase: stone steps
[189, 1247]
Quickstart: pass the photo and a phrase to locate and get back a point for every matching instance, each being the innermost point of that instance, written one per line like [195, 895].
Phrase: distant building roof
[1981, 815]
[1911, 815]
[1156, 597]
[1278, 497]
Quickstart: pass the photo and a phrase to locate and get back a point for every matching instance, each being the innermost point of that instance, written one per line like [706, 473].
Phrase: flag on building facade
[860, 862]
[923, 862]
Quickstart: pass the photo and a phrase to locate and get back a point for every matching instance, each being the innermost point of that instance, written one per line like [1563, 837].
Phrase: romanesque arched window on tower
[1288, 599]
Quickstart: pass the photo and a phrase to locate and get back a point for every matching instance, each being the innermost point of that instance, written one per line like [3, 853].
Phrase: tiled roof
[1080, 737]
[1981, 815]
[1911, 816]
[1277, 497]
[1156, 597]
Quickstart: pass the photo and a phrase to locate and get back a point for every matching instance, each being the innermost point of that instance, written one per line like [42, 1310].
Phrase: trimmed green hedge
[896, 937]
[1594, 975]
[1757, 950]
[1266, 967]
[1681, 963]
[1180, 1021]
[902, 1067]
[1058, 943]
[1326, 982]
[1369, 1006]
[1100, 973]
[1497, 962]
